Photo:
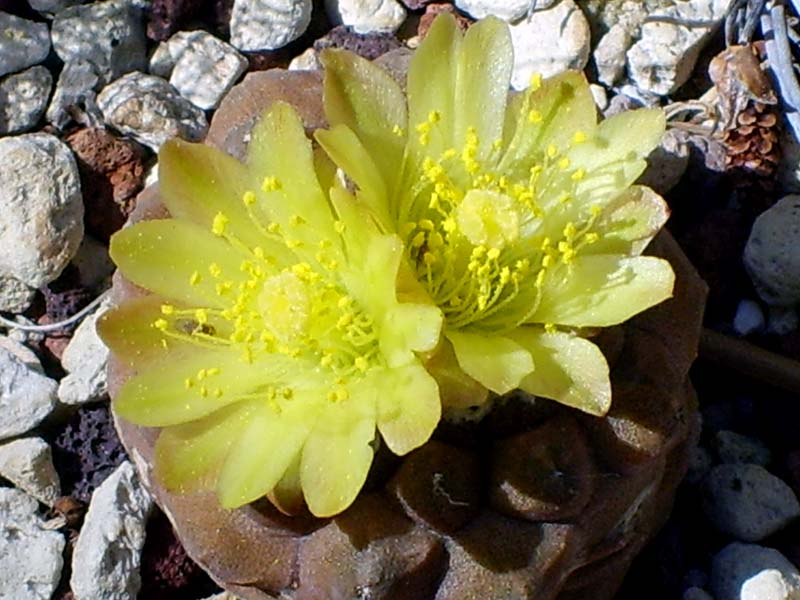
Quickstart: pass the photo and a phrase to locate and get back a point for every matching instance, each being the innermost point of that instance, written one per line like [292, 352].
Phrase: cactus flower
[519, 215]
[275, 339]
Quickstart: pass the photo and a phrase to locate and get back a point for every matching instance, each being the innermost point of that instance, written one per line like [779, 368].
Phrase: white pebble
[749, 318]
[268, 24]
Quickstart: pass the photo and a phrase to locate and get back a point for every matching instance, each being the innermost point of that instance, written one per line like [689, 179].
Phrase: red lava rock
[542, 475]
[167, 571]
[112, 173]
[432, 10]
[368, 45]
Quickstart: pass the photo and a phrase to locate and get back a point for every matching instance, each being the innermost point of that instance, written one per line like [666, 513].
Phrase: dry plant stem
[73, 320]
[750, 360]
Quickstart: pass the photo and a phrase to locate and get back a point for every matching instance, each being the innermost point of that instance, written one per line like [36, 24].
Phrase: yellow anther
[550, 328]
[271, 184]
[547, 261]
[217, 393]
[249, 198]
[578, 175]
[595, 210]
[534, 116]
[545, 244]
[326, 360]
[201, 316]
[591, 238]
[540, 278]
[563, 163]
[493, 254]
[214, 270]
[203, 391]
[361, 363]
[570, 230]
[259, 253]
[449, 225]
[434, 116]
[188, 383]
[212, 371]
[294, 244]
[552, 151]
[167, 309]
[536, 82]
[449, 154]
[195, 278]
[426, 225]
[296, 220]
[398, 131]
[579, 137]
[273, 228]
[161, 324]
[497, 144]
[201, 374]
[219, 224]
[338, 227]
[344, 302]
[418, 240]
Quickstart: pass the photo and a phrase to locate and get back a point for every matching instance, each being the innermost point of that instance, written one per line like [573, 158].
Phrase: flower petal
[408, 407]
[187, 455]
[366, 99]
[197, 182]
[279, 148]
[348, 152]
[161, 396]
[172, 257]
[287, 495]
[337, 455]
[495, 361]
[569, 369]
[409, 327]
[604, 290]
[482, 83]
[630, 222]
[266, 446]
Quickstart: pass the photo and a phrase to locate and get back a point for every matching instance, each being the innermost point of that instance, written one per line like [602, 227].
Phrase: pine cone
[752, 140]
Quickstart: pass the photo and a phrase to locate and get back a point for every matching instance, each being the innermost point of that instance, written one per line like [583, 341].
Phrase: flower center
[488, 218]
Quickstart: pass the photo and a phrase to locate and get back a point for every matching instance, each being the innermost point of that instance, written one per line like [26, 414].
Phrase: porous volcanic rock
[475, 528]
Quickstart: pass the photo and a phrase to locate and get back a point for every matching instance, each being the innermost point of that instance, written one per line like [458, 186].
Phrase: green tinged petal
[337, 455]
[408, 407]
[265, 447]
[497, 362]
[347, 151]
[187, 456]
[161, 395]
[569, 369]
[409, 327]
[365, 98]
[172, 257]
[630, 222]
[604, 290]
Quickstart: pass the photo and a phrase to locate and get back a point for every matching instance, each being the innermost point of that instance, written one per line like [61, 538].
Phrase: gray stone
[22, 352]
[508, 10]
[548, 42]
[23, 43]
[28, 464]
[23, 98]
[749, 318]
[747, 502]
[105, 562]
[76, 94]
[42, 208]
[782, 320]
[85, 359]
[109, 35]
[15, 296]
[670, 41]
[751, 572]
[772, 254]
[367, 16]
[52, 6]
[30, 559]
[696, 593]
[150, 110]
[610, 54]
[26, 396]
[307, 61]
[733, 448]
[167, 53]
[268, 24]
[206, 70]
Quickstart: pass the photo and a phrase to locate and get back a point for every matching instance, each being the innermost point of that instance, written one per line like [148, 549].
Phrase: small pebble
[23, 43]
[206, 70]
[42, 208]
[150, 110]
[52, 6]
[28, 464]
[772, 254]
[26, 396]
[25, 96]
[268, 24]
[15, 296]
[749, 318]
[108, 34]
[751, 572]
[732, 448]
[367, 16]
[76, 95]
[30, 556]
[105, 562]
[22, 352]
[748, 502]
[508, 10]
[307, 61]
[85, 360]
[549, 42]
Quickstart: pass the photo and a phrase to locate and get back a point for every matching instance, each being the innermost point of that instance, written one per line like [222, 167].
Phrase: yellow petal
[366, 99]
[409, 327]
[172, 258]
[603, 290]
[187, 456]
[266, 446]
[161, 395]
[287, 495]
[495, 361]
[569, 369]
[337, 456]
[630, 222]
[408, 407]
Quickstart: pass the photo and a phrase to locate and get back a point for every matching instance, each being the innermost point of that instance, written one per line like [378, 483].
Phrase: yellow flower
[273, 343]
[519, 216]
